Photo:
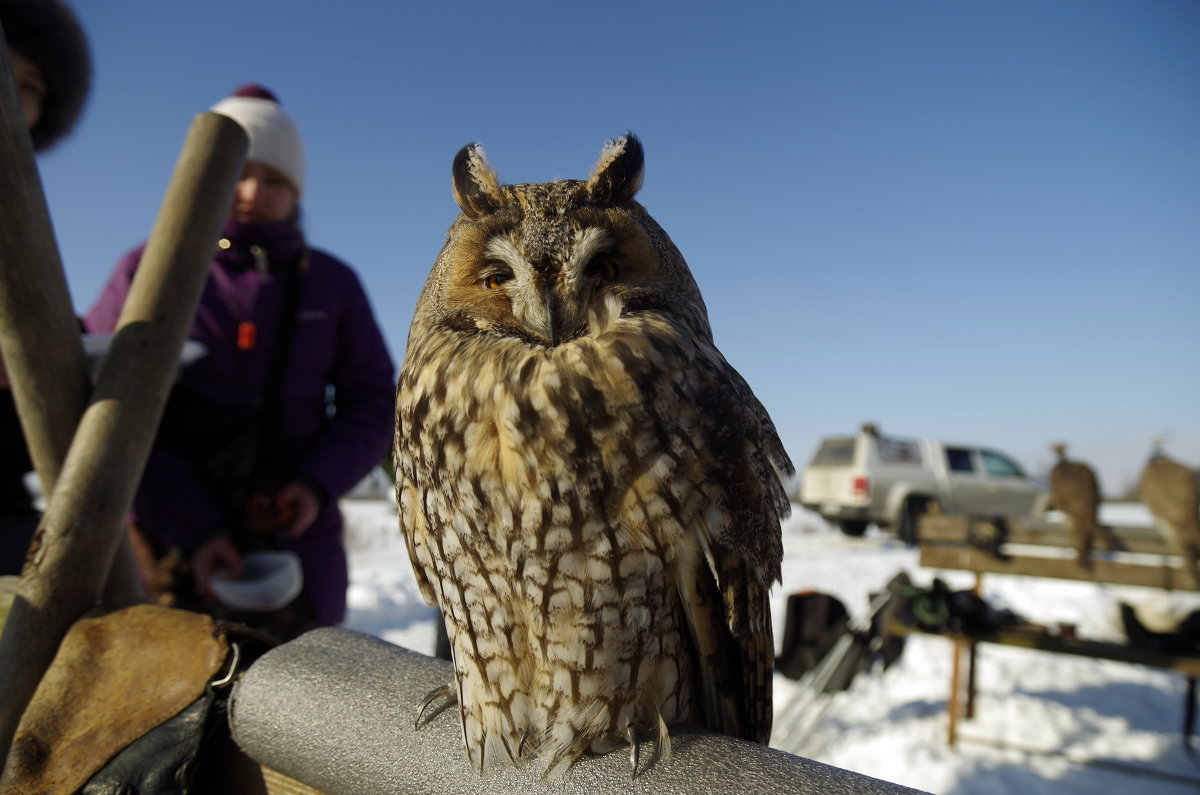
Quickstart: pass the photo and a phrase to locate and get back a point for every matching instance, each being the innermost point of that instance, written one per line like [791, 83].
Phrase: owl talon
[446, 691]
[632, 738]
[662, 748]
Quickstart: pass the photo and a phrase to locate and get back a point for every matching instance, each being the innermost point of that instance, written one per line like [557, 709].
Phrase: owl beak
[564, 318]
[539, 314]
[554, 324]
[552, 315]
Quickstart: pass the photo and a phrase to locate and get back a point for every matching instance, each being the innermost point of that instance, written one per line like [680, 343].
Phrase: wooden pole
[1165, 574]
[972, 653]
[954, 702]
[34, 301]
[85, 518]
[39, 333]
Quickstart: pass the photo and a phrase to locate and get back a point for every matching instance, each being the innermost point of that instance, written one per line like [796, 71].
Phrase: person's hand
[298, 506]
[214, 554]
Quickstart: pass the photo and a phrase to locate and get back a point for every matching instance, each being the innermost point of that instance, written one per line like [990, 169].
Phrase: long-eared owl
[589, 492]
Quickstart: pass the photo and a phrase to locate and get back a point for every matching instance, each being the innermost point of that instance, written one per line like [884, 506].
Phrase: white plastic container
[268, 581]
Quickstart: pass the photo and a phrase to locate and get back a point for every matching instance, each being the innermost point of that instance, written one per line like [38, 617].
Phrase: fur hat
[274, 137]
[48, 34]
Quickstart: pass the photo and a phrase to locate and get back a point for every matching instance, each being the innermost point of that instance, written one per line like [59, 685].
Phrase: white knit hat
[274, 137]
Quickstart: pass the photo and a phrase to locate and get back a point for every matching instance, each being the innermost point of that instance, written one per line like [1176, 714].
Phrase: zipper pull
[260, 259]
[247, 336]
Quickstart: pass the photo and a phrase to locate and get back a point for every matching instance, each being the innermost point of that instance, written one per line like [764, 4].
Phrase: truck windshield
[834, 452]
[998, 465]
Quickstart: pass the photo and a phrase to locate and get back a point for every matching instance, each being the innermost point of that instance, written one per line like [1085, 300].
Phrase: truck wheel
[910, 517]
[852, 527]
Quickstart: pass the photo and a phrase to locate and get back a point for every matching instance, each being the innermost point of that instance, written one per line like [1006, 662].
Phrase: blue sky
[976, 221]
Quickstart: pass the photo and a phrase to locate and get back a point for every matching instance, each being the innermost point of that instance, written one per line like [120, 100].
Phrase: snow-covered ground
[1045, 723]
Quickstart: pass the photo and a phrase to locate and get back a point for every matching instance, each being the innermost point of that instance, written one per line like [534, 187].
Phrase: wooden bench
[1038, 548]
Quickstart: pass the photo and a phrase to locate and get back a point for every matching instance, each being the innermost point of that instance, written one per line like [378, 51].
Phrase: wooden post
[39, 333]
[972, 651]
[85, 519]
[33, 292]
[954, 705]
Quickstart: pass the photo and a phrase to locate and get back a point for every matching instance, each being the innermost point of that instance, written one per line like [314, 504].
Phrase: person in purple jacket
[291, 406]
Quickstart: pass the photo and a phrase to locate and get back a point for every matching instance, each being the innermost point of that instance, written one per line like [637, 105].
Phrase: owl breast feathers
[589, 492]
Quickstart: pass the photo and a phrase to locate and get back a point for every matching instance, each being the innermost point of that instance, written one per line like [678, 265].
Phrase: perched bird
[1075, 491]
[1170, 490]
[590, 493]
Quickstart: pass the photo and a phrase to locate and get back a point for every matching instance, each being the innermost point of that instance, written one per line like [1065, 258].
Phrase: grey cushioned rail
[335, 709]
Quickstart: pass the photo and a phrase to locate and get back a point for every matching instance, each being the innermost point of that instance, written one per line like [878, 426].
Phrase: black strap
[1189, 718]
[268, 455]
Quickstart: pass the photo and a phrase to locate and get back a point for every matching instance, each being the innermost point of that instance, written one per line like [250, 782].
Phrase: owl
[1075, 491]
[589, 492]
[1171, 491]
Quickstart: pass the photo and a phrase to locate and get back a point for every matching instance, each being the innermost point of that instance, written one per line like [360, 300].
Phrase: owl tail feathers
[493, 734]
[560, 762]
[484, 750]
[481, 747]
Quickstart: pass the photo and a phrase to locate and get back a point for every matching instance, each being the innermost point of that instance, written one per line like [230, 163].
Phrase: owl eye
[496, 277]
[604, 268]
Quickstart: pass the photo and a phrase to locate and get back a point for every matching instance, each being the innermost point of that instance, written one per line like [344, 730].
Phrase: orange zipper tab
[247, 334]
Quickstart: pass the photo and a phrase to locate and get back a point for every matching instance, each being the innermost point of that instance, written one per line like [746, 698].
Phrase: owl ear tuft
[476, 188]
[618, 174]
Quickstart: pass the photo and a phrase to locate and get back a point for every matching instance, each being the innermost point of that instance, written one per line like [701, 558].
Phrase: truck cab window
[958, 459]
[899, 451]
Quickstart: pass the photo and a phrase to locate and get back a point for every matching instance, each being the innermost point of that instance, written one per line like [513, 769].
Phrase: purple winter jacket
[337, 394]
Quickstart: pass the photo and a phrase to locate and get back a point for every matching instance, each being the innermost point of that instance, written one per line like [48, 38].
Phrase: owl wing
[1074, 489]
[725, 590]
[415, 531]
[1169, 489]
[729, 619]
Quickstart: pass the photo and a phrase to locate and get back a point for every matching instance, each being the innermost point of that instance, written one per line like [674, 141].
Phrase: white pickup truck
[854, 480]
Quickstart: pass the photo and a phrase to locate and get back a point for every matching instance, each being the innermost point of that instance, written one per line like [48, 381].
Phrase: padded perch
[334, 709]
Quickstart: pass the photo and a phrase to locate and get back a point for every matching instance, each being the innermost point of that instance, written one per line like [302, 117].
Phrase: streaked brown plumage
[1169, 489]
[1075, 491]
[590, 493]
